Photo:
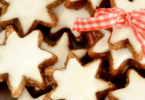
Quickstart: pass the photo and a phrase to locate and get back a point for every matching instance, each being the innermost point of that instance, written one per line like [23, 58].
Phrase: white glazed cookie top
[80, 53]
[121, 55]
[2, 36]
[75, 86]
[135, 89]
[61, 49]
[95, 3]
[129, 6]
[123, 34]
[102, 45]
[127, 33]
[21, 57]
[66, 18]
[27, 11]
[26, 96]
[117, 56]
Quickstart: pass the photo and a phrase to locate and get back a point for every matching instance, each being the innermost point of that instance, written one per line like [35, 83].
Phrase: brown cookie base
[75, 5]
[17, 23]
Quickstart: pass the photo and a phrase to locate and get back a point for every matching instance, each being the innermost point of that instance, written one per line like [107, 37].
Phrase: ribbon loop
[115, 17]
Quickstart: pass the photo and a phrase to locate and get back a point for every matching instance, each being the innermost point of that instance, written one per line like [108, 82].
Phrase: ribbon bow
[115, 17]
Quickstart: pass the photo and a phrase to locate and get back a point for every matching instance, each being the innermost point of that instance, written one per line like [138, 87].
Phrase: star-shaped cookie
[29, 13]
[120, 58]
[21, 60]
[134, 89]
[66, 19]
[61, 49]
[77, 82]
[26, 96]
[125, 37]
[117, 59]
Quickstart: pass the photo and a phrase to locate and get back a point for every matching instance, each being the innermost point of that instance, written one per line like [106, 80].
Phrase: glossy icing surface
[75, 86]
[135, 89]
[21, 57]
[27, 11]
[102, 45]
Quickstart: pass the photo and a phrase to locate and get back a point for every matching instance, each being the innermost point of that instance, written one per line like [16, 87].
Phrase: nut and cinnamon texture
[22, 61]
[124, 37]
[76, 81]
[134, 88]
[75, 4]
[27, 14]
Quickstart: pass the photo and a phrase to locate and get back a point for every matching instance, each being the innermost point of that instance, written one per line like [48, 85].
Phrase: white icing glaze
[21, 57]
[134, 91]
[130, 6]
[26, 96]
[119, 56]
[27, 11]
[66, 18]
[102, 45]
[75, 86]
[80, 53]
[61, 49]
[2, 36]
[123, 34]
[95, 3]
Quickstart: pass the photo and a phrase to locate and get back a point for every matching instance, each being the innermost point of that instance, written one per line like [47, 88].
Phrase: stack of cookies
[105, 64]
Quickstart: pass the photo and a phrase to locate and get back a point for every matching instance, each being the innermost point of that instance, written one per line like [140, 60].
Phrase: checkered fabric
[115, 17]
[91, 38]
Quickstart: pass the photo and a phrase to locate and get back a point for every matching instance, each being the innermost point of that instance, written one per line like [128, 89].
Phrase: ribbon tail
[142, 35]
[91, 38]
[90, 24]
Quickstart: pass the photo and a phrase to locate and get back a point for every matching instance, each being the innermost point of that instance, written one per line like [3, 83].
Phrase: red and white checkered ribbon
[115, 17]
[91, 38]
